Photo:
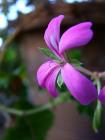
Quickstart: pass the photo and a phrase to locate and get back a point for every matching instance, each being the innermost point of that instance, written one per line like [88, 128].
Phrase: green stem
[84, 70]
[11, 110]
[49, 105]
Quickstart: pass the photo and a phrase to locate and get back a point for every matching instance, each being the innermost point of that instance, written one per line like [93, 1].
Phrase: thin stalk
[84, 70]
[49, 105]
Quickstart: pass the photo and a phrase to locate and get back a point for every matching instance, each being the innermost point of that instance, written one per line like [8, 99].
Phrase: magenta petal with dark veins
[79, 86]
[76, 36]
[50, 82]
[44, 71]
[52, 34]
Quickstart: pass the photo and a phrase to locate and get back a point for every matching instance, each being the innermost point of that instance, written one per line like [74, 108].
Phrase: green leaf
[86, 110]
[76, 62]
[97, 117]
[59, 81]
[75, 54]
[21, 71]
[31, 127]
[10, 55]
[48, 53]
[4, 79]
[11, 59]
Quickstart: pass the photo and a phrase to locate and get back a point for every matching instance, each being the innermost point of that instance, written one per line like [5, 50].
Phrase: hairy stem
[84, 70]
[49, 105]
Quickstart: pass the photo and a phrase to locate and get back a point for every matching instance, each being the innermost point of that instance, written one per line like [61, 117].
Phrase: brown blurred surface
[74, 13]
[70, 125]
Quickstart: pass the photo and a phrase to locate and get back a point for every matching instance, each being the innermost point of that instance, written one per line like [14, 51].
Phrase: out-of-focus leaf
[11, 60]
[97, 118]
[86, 110]
[21, 71]
[10, 54]
[31, 127]
[4, 80]
[75, 54]
[48, 53]
[76, 62]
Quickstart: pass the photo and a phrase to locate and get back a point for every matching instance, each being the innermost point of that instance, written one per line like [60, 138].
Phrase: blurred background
[22, 26]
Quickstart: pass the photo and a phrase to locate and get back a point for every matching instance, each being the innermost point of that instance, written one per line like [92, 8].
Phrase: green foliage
[13, 82]
[76, 62]
[4, 80]
[31, 127]
[11, 54]
[21, 71]
[95, 114]
[86, 110]
[74, 57]
[12, 71]
[48, 53]
[75, 54]
[11, 59]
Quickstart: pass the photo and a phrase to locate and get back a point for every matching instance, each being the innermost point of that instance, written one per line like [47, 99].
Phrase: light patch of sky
[12, 14]
[21, 6]
[1, 42]
[0, 9]
[3, 21]
[72, 1]
[52, 1]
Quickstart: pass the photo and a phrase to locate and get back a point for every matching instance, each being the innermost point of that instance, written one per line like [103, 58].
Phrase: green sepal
[59, 81]
[48, 53]
[97, 118]
[76, 62]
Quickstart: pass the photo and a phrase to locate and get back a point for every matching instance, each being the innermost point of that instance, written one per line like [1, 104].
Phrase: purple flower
[81, 88]
[101, 96]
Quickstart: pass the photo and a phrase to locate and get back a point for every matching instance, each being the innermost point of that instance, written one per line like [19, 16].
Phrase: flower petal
[51, 82]
[76, 36]
[52, 34]
[80, 87]
[44, 71]
[102, 96]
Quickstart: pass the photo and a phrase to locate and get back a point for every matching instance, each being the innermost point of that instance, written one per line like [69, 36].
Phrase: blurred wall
[69, 124]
